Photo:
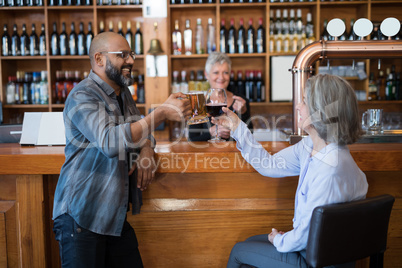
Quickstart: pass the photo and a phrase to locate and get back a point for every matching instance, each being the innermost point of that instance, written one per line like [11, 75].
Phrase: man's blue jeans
[80, 247]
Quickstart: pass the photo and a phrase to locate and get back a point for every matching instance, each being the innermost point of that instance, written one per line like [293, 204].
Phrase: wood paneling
[8, 235]
[30, 216]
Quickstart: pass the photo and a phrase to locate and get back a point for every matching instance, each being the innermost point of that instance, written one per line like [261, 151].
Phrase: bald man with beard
[104, 133]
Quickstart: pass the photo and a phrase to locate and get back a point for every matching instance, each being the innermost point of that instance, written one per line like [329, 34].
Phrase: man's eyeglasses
[122, 54]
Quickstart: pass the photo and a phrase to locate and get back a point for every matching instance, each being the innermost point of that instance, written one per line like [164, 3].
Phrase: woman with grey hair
[327, 172]
[217, 72]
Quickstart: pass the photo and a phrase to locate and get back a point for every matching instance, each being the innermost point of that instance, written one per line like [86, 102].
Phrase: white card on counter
[43, 129]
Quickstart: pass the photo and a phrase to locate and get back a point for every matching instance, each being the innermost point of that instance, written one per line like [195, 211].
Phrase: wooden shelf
[23, 106]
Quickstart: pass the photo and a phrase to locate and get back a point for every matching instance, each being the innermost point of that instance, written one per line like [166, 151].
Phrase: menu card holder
[43, 129]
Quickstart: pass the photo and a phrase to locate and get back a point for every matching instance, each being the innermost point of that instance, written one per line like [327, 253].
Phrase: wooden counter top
[186, 157]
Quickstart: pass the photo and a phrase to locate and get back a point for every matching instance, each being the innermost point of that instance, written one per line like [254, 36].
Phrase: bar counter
[205, 198]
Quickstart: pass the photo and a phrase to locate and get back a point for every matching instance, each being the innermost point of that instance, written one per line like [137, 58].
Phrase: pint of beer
[199, 113]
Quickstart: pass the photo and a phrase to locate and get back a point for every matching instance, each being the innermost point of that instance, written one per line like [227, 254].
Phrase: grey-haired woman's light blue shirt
[330, 176]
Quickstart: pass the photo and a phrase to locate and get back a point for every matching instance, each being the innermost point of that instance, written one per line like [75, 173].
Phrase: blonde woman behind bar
[327, 172]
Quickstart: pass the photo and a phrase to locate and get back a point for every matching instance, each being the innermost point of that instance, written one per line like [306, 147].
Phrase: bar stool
[347, 232]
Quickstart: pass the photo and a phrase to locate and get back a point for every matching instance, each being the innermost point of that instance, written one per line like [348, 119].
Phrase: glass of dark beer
[199, 113]
[216, 99]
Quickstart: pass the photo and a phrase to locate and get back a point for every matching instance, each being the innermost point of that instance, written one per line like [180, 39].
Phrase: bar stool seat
[347, 232]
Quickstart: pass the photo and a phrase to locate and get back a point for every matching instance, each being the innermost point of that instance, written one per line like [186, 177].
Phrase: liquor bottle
[250, 37]
[120, 28]
[241, 38]
[285, 23]
[390, 86]
[211, 37]
[110, 26]
[24, 41]
[54, 41]
[129, 36]
[232, 38]
[5, 42]
[240, 84]
[33, 42]
[89, 37]
[44, 93]
[19, 87]
[278, 23]
[34, 90]
[68, 83]
[351, 35]
[183, 83]
[175, 82]
[72, 41]
[138, 42]
[176, 39]
[63, 40]
[61, 2]
[58, 88]
[398, 87]
[81, 48]
[260, 40]
[324, 34]
[26, 88]
[134, 87]
[199, 38]
[299, 22]
[292, 22]
[372, 88]
[191, 82]
[101, 27]
[271, 21]
[141, 89]
[223, 37]
[11, 90]
[188, 39]
[42, 41]
[381, 85]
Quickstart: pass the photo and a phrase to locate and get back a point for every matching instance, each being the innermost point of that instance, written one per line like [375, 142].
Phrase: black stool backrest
[345, 232]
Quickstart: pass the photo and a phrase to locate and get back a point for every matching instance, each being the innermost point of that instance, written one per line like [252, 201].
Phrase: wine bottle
[176, 39]
[54, 41]
[199, 38]
[129, 35]
[33, 42]
[138, 42]
[89, 37]
[175, 82]
[241, 38]
[211, 37]
[260, 40]
[223, 37]
[72, 41]
[26, 88]
[110, 26]
[141, 89]
[292, 22]
[63, 40]
[250, 37]
[24, 41]
[10, 91]
[285, 23]
[390, 85]
[299, 22]
[260, 87]
[183, 83]
[19, 87]
[188, 39]
[5, 42]
[81, 48]
[120, 28]
[232, 83]
[42, 41]
[232, 38]
[278, 23]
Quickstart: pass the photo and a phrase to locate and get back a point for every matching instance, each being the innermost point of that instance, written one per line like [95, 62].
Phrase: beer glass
[216, 100]
[372, 121]
[199, 113]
